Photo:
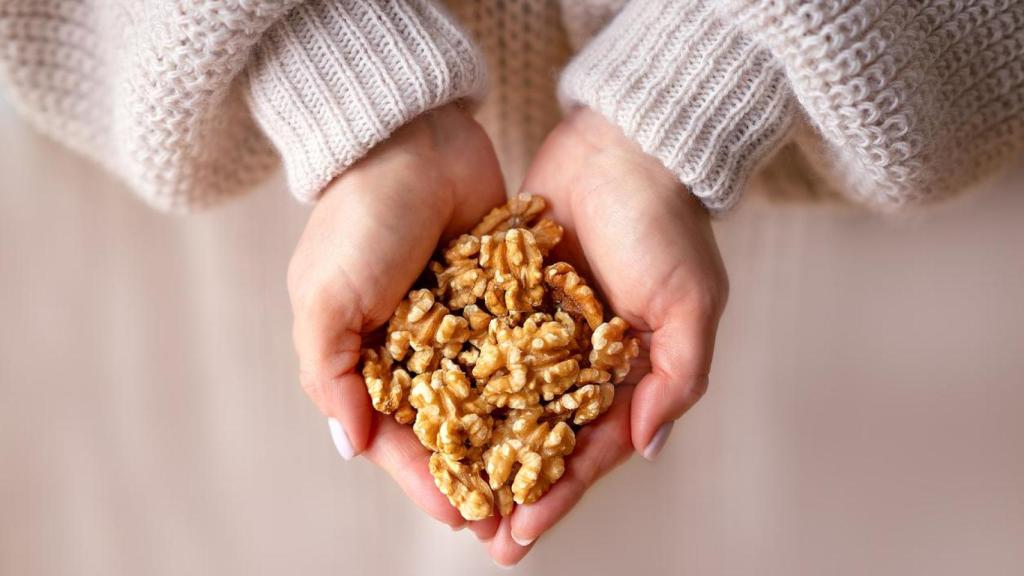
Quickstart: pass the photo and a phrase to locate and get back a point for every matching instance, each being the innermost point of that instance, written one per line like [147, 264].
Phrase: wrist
[431, 158]
[604, 155]
[595, 130]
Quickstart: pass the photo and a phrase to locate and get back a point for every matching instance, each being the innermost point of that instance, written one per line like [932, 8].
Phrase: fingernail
[522, 541]
[341, 441]
[504, 566]
[658, 442]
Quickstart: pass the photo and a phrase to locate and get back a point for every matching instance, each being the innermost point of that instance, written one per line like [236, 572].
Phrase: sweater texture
[888, 102]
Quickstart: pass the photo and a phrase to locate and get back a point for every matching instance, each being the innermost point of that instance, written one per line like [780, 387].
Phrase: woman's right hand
[367, 240]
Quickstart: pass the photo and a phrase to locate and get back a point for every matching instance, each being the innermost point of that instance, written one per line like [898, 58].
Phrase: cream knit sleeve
[336, 77]
[192, 101]
[691, 88]
[910, 100]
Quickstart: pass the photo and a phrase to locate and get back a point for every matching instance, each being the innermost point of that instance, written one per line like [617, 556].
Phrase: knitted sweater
[192, 101]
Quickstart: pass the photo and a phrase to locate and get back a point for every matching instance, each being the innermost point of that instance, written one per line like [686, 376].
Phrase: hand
[367, 240]
[648, 244]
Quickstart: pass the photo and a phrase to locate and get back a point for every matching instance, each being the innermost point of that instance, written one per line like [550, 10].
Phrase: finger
[397, 450]
[503, 549]
[345, 402]
[600, 447]
[332, 383]
[485, 529]
[680, 356]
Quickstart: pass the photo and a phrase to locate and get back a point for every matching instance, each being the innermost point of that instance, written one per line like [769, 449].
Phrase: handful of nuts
[498, 363]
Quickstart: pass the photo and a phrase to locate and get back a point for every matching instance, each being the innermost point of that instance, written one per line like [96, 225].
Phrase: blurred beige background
[864, 415]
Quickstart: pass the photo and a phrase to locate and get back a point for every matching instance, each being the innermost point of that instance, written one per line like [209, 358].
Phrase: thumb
[328, 354]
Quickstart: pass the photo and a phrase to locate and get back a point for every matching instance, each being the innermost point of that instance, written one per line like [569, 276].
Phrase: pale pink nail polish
[341, 441]
[659, 440]
[504, 566]
[521, 541]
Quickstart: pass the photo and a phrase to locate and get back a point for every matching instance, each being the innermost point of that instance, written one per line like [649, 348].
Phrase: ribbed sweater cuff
[336, 77]
[691, 88]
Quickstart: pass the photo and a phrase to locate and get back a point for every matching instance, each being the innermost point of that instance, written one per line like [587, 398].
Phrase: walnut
[388, 388]
[513, 262]
[530, 452]
[510, 389]
[465, 282]
[612, 350]
[414, 325]
[461, 279]
[463, 485]
[584, 404]
[504, 500]
[462, 249]
[479, 320]
[572, 294]
[498, 360]
[547, 234]
[519, 212]
[450, 417]
[521, 364]
[451, 333]
[540, 341]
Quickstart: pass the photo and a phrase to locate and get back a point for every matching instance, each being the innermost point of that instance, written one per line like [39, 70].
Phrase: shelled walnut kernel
[499, 362]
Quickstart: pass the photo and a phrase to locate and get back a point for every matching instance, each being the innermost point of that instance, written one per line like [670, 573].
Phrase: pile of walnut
[498, 363]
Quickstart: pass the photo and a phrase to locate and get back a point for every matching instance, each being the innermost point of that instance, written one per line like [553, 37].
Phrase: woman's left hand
[648, 244]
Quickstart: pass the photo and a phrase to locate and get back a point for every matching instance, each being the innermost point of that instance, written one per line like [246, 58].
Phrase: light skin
[630, 226]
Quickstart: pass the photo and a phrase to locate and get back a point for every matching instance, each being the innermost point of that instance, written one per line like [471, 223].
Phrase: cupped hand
[647, 243]
[367, 240]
